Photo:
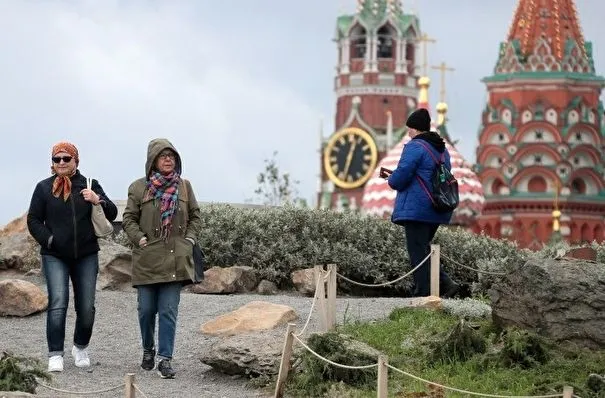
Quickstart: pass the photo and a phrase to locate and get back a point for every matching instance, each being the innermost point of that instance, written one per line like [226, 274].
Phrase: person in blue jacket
[413, 205]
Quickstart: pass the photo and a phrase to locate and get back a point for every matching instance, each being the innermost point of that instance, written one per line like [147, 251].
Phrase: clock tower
[376, 88]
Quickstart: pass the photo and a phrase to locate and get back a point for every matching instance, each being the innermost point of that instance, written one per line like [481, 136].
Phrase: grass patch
[467, 354]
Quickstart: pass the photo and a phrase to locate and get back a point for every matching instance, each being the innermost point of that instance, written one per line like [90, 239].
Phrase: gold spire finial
[556, 213]
[425, 40]
[443, 68]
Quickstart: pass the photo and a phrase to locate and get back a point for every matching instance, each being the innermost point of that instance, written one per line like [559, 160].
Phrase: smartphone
[384, 172]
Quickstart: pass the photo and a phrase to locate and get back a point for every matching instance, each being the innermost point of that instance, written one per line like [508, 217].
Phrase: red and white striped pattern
[378, 197]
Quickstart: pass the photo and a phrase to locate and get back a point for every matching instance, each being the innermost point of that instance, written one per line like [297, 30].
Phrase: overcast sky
[228, 82]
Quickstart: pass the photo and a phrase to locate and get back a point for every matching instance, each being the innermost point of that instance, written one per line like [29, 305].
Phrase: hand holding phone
[385, 173]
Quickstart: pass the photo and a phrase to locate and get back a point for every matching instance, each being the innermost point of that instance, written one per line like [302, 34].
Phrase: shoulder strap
[431, 152]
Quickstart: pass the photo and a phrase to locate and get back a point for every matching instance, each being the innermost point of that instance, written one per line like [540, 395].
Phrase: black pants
[419, 236]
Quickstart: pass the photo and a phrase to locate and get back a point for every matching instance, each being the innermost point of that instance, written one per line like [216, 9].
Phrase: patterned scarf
[165, 188]
[62, 185]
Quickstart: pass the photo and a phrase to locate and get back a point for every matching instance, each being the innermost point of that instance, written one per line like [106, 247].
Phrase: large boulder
[252, 317]
[562, 299]
[219, 280]
[21, 298]
[19, 251]
[115, 266]
[253, 354]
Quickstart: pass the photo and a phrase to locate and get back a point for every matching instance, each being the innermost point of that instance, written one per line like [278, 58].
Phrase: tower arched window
[358, 42]
[386, 42]
[536, 184]
[578, 186]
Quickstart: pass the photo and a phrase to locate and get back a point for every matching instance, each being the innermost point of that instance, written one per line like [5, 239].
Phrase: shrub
[279, 240]
[19, 373]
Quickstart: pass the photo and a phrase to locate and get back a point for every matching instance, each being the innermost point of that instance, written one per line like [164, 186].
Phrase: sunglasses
[58, 159]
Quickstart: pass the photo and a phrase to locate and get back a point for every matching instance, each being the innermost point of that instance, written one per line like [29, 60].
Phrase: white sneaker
[55, 363]
[80, 357]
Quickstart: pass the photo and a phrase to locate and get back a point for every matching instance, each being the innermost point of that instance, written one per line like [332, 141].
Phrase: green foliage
[279, 240]
[523, 348]
[317, 375]
[19, 373]
[408, 337]
[460, 344]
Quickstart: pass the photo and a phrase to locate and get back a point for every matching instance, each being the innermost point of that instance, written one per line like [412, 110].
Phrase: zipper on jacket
[73, 217]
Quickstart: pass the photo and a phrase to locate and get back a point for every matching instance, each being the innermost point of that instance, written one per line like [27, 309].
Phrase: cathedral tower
[375, 84]
[542, 137]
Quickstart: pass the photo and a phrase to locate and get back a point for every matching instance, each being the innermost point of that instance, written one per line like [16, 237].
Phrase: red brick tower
[375, 76]
[541, 143]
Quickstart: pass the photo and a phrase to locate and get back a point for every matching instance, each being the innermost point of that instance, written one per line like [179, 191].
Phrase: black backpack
[445, 186]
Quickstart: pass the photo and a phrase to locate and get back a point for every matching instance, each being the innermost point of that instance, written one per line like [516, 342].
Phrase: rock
[18, 225]
[218, 280]
[266, 287]
[19, 251]
[115, 266]
[582, 253]
[304, 281]
[429, 302]
[252, 354]
[15, 394]
[562, 299]
[21, 298]
[254, 316]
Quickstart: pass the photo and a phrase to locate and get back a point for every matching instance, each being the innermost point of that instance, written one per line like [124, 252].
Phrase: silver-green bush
[279, 240]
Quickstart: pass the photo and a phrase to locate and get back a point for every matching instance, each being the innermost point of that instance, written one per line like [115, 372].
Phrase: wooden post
[284, 366]
[435, 255]
[567, 392]
[321, 298]
[129, 391]
[332, 269]
[383, 377]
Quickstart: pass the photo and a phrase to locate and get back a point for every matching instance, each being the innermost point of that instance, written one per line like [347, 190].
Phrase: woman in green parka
[162, 219]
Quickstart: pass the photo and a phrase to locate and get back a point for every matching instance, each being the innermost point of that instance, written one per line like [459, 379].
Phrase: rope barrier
[315, 297]
[374, 365]
[477, 270]
[386, 283]
[136, 387]
[469, 392]
[80, 392]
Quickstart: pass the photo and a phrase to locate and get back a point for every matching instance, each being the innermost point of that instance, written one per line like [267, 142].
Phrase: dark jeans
[162, 299]
[83, 273]
[419, 236]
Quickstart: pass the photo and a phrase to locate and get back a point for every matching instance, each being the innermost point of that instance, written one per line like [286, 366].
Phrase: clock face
[350, 157]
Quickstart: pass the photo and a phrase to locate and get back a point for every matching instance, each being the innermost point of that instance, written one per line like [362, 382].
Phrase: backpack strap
[436, 162]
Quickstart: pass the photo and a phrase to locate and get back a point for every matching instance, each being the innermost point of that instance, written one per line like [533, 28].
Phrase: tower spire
[554, 20]
[442, 106]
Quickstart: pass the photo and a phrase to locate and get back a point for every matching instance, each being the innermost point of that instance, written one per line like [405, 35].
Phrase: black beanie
[419, 120]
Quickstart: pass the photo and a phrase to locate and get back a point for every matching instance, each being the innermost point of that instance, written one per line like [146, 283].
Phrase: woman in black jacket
[59, 219]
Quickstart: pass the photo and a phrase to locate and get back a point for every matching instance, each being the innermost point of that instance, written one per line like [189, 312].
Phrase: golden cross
[425, 39]
[443, 68]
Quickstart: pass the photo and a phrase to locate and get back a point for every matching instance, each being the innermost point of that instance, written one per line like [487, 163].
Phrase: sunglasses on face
[167, 155]
[58, 159]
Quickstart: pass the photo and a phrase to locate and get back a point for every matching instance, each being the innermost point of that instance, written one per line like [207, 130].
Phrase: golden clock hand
[350, 157]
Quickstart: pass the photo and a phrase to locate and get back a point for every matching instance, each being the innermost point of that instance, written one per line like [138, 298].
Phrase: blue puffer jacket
[412, 202]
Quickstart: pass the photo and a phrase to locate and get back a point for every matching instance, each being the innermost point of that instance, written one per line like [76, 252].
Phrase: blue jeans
[161, 299]
[83, 273]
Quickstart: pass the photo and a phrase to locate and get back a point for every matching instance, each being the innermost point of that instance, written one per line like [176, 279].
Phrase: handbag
[199, 258]
[103, 228]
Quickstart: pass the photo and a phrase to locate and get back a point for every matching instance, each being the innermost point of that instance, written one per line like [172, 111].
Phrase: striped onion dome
[378, 197]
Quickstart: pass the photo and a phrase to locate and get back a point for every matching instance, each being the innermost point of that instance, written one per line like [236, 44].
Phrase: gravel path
[115, 346]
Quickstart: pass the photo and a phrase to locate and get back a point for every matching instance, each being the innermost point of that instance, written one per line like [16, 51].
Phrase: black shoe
[148, 362]
[450, 290]
[165, 369]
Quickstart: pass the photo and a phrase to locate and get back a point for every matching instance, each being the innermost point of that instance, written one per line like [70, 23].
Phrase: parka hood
[155, 147]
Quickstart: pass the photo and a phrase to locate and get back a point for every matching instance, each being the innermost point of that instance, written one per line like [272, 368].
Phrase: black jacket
[67, 222]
